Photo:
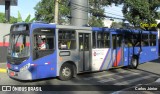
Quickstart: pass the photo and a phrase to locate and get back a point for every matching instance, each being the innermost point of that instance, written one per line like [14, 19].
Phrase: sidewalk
[3, 67]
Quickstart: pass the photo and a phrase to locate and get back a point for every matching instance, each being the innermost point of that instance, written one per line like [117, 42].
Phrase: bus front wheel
[66, 72]
[134, 63]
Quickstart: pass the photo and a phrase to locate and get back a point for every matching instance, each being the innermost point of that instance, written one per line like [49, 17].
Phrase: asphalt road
[146, 73]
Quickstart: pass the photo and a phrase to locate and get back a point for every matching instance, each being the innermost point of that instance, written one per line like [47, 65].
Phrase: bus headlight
[25, 67]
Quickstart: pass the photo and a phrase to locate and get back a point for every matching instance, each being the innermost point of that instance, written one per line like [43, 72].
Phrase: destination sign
[20, 27]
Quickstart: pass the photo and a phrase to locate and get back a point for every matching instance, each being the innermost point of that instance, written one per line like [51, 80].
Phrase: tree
[3, 19]
[45, 11]
[97, 11]
[141, 11]
[28, 19]
[117, 25]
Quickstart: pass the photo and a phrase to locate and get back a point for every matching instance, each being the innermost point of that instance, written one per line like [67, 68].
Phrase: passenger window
[103, 40]
[114, 41]
[145, 40]
[152, 40]
[119, 40]
[136, 39]
[67, 39]
[43, 41]
[128, 40]
[94, 39]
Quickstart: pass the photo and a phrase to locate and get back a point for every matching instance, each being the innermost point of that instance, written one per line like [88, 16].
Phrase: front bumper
[24, 75]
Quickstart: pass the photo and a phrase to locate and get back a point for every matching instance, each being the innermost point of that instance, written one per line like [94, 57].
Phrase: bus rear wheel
[134, 63]
[66, 72]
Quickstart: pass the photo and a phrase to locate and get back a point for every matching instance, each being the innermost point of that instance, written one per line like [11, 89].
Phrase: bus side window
[145, 40]
[128, 40]
[43, 42]
[103, 40]
[94, 39]
[67, 39]
[152, 40]
[114, 41]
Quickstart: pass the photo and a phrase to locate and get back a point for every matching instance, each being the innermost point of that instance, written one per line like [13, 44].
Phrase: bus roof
[104, 29]
[94, 29]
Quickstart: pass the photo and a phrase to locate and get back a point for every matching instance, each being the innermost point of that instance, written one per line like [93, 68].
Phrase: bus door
[118, 50]
[84, 51]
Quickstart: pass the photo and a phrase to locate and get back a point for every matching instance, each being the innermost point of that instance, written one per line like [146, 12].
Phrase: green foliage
[141, 11]
[3, 20]
[27, 20]
[117, 25]
[45, 11]
[19, 19]
[96, 10]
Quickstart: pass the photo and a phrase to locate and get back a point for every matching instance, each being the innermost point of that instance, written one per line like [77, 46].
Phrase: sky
[26, 7]
[114, 11]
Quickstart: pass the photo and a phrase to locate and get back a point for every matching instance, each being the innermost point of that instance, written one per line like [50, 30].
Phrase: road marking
[3, 70]
[95, 77]
[119, 77]
[134, 80]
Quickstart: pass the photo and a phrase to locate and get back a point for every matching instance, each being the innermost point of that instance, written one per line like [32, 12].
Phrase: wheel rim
[134, 62]
[66, 72]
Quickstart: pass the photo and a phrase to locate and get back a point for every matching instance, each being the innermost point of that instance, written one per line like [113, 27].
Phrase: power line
[92, 8]
[88, 9]
[113, 14]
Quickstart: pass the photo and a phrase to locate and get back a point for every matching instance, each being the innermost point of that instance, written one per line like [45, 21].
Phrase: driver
[43, 46]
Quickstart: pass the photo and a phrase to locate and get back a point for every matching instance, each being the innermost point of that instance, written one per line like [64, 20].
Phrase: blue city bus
[71, 50]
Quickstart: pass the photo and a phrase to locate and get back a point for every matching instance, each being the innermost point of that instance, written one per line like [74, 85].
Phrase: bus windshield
[20, 46]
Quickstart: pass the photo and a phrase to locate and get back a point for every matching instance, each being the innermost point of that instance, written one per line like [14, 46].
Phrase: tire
[134, 63]
[66, 72]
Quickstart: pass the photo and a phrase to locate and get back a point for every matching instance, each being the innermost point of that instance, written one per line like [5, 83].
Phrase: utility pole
[56, 11]
[7, 10]
[79, 12]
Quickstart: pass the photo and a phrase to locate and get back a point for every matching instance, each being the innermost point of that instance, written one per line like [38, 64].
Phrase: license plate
[12, 73]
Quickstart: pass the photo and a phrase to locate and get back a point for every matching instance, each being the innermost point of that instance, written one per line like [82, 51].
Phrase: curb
[3, 70]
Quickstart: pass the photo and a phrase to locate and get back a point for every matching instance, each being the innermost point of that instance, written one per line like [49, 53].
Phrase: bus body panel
[147, 54]
[65, 56]
[46, 66]
[118, 55]
[127, 55]
[73, 55]
[101, 59]
[16, 69]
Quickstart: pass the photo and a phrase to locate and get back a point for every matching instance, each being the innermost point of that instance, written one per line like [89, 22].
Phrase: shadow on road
[156, 61]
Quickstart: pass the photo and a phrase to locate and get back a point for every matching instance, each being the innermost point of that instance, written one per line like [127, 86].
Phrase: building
[4, 30]
[158, 22]
[107, 23]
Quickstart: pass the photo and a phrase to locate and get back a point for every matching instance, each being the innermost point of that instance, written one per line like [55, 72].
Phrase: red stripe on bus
[118, 58]
[6, 44]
